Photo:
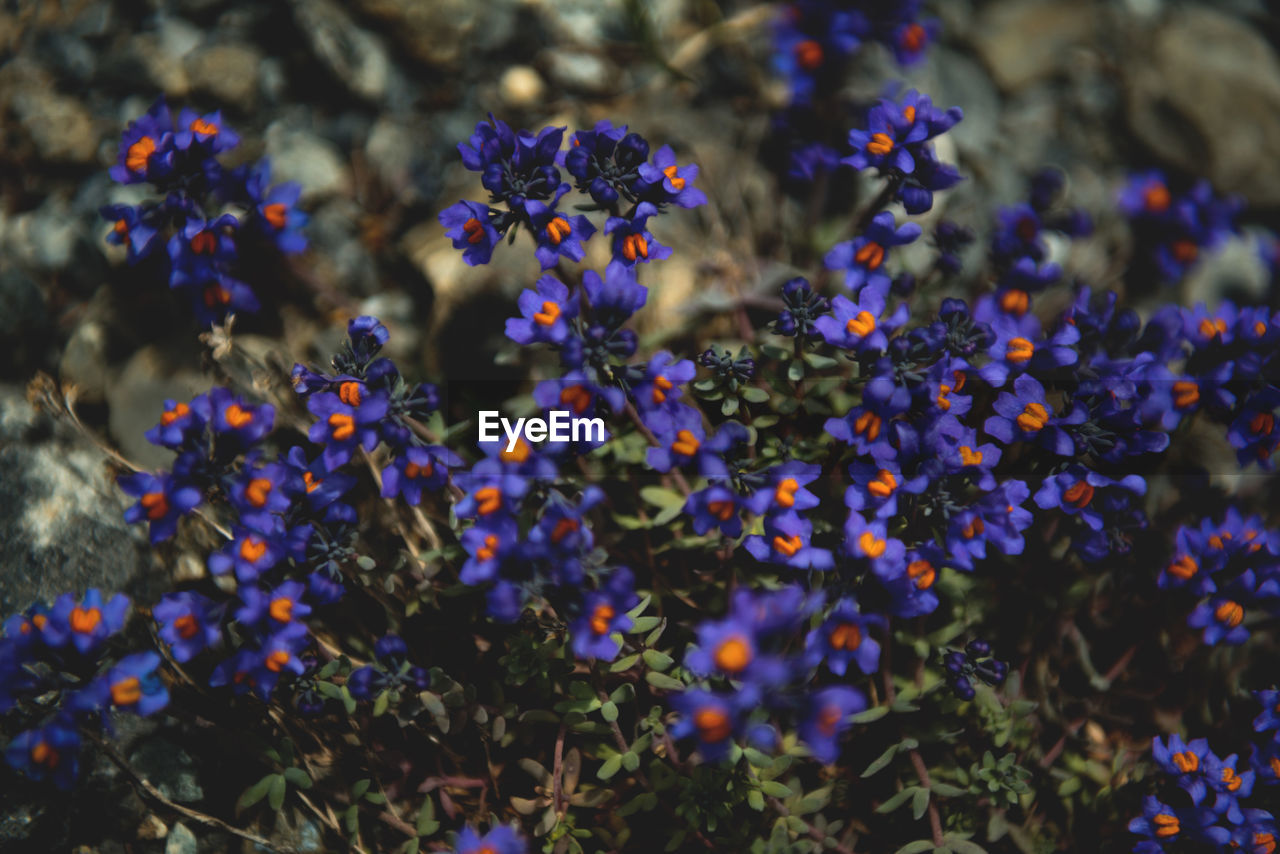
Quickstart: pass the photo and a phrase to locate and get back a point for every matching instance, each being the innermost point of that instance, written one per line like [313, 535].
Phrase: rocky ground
[363, 103]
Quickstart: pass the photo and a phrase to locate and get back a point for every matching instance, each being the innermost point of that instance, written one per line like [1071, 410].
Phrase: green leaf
[964, 846]
[1069, 787]
[916, 847]
[946, 789]
[663, 681]
[875, 713]
[298, 778]
[275, 792]
[774, 789]
[644, 624]
[254, 793]
[729, 406]
[657, 660]
[380, 704]
[898, 800]
[609, 711]
[753, 394]
[427, 824]
[755, 800]
[919, 803]
[610, 767]
[630, 761]
[662, 497]
[795, 371]
[360, 787]
[883, 760]
[366, 563]
[375, 798]
[624, 663]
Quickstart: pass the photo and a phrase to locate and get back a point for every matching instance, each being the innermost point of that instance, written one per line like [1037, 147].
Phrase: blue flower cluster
[193, 222]
[1213, 791]
[753, 668]
[1172, 229]
[521, 171]
[813, 39]
[813, 43]
[1232, 566]
[61, 674]
[288, 534]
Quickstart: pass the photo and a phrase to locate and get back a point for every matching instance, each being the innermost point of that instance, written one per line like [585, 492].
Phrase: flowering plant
[839, 583]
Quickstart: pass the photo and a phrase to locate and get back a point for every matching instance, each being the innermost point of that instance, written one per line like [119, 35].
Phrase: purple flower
[712, 719]
[632, 242]
[179, 424]
[1185, 762]
[784, 489]
[276, 212]
[859, 326]
[500, 840]
[843, 638]
[416, 469]
[346, 421]
[717, 507]
[606, 161]
[603, 616]
[663, 182]
[830, 716]
[133, 684]
[863, 257]
[208, 133]
[786, 541]
[1025, 415]
[250, 553]
[557, 234]
[161, 501]
[232, 417]
[132, 228]
[146, 147]
[87, 624]
[188, 623]
[275, 608]
[49, 752]
[546, 311]
[660, 384]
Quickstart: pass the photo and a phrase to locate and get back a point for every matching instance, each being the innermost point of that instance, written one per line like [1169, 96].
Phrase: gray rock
[138, 393]
[581, 71]
[1023, 41]
[169, 768]
[60, 128]
[353, 56]
[24, 322]
[1205, 95]
[444, 32]
[180, 840]
[61, 515]
[299, 155]
[228, 72]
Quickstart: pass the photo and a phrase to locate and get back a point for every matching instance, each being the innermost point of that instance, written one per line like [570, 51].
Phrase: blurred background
[364, 102]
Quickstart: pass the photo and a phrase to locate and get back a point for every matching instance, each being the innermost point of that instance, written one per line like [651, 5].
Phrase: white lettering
[488, 422]
[513, 435]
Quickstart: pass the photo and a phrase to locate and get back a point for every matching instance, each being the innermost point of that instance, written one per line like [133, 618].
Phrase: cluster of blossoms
[521, 171]
[813, 42]
[61, 673]
[753, 669]
[212, 223]
[813, 39]
[1204, 797]
[288, 533]
[1172, 229]
[1232, 566]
